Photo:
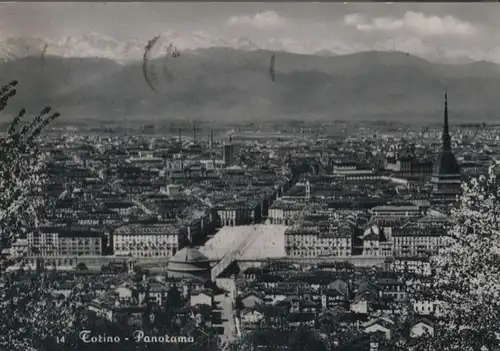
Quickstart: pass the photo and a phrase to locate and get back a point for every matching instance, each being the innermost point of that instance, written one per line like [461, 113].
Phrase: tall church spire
[446, 177]
[446, 132]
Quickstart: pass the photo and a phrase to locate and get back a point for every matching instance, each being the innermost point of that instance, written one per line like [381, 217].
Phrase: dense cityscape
[247, 231]
[249, 177]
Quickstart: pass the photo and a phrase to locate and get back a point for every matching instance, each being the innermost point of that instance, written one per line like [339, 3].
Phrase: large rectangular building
[52, 241]
[314, 241]
[417, 242]
[149, 240]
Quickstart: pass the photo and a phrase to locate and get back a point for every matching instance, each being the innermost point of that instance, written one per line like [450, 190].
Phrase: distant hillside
[44, 81]
[228, 84]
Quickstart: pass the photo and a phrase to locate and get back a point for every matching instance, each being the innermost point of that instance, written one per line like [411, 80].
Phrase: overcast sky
[446, 30]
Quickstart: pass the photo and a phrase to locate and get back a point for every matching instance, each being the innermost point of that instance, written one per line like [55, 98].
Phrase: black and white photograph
[249, 176]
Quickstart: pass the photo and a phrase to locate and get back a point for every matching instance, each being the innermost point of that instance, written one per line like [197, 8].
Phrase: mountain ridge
[93, 44]
[223, 84]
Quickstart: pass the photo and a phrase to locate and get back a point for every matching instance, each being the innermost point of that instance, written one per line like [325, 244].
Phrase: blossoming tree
[467, 272]
[21, 176]
[30, 317]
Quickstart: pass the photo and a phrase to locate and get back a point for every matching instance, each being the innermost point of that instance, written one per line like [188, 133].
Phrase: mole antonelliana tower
[446, 178]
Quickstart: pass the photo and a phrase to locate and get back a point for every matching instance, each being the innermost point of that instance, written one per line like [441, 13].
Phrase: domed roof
[188, 255]
[446, 164]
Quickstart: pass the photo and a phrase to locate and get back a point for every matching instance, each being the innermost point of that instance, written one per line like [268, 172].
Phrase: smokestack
[211, 137]
[180, 135]
[194, 131]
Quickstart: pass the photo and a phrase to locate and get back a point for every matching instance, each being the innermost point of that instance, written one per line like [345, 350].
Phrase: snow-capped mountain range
[96, 45]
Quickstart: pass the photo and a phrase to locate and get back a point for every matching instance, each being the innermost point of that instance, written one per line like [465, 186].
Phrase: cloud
[415, 22]
[266, 19]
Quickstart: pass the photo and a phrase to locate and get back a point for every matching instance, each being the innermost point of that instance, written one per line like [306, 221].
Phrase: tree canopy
[21, 166]
[467, 272]
[30, 317]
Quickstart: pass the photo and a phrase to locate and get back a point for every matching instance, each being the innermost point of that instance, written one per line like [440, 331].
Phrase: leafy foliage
[467, 272]
[30, 316]
[33, 318]
[21, 176]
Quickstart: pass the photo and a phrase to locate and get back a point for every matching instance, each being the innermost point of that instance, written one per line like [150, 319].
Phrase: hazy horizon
[223, 85]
